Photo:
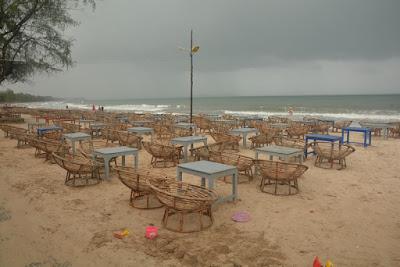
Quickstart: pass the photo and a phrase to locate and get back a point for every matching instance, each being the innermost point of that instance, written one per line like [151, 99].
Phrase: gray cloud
[268, 47]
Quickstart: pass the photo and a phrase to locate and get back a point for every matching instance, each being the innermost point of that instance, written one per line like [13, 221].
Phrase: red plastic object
[151, 232]
[317, 263]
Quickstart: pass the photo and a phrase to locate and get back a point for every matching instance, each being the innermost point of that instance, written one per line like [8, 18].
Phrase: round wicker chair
[243, 164]
[80, 171]
[261, 140]
[276, 176]
[181, 200]
[136, 181]
[168, 155]
[331, 155]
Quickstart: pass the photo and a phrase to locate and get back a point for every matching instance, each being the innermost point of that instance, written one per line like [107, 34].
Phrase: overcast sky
[129, 49]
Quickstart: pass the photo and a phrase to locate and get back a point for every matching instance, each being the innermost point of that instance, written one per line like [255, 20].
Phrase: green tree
[31, 37]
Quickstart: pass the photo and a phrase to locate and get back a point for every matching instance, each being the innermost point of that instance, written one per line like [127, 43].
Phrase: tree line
[8, 96]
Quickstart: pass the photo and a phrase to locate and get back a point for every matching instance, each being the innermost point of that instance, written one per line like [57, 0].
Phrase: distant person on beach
[66, 106]
[93, 107]
[102, 108]
[290, 111]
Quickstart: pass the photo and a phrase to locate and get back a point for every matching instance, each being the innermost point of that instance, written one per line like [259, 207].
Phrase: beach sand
[351, 217]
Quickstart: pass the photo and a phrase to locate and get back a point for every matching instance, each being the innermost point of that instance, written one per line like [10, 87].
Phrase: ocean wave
[142, 107]
[371, 115]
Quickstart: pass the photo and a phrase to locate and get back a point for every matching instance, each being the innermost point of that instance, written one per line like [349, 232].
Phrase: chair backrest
[280, 170]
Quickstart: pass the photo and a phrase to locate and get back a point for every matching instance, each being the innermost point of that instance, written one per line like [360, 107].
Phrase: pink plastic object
[241, 216]
[151, 232]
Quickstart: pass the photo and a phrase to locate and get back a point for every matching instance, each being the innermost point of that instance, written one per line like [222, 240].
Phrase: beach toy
[151, 232]
[317, 263]
[121, 234]
[329, 264]
[241, 216]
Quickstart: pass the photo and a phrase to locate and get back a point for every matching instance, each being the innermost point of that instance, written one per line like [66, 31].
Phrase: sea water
[356, 107]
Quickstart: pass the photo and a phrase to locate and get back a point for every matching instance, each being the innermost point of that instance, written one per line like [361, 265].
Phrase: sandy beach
[349, 216]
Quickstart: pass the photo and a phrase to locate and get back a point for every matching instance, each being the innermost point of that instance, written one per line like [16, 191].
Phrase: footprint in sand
[5, 215]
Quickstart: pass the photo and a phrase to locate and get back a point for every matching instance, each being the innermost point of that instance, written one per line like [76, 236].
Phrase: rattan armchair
[81, 171]
[341, 124]
[167, 155]
[243, 164]
[181, 200]
[277, 176]
[261, 140]
[289, 142]
[203, 152]
[296, 131]
[129, 139]
[329, 155]
[230, 141]
[141, 196]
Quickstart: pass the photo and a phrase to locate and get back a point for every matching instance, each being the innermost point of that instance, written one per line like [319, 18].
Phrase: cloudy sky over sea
[129, 49]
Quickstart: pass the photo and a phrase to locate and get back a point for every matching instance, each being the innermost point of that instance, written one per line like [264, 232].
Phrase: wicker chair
[167, 155]
[203, 152]
[243, 164]
[330, 155]
[289, 142]
[230, 141]
[183, 199]
[261, 140]
[297, 131]
[136, 181]
[45, 147]
[322, 128]
[80, 171]
[341, 124]
[276, 176]
[129, 139]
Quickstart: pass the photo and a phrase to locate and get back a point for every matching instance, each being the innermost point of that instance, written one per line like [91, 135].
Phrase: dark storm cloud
[133, 45]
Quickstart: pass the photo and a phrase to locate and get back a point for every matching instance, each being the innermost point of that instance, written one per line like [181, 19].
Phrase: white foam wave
[354, 116]
[143, 107]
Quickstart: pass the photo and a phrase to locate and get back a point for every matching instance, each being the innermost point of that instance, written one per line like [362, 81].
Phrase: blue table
[210, 170]
[107, 153]
[41, 131]
[321, 137]
[73, 137]
[366, 131]
[244, 132]
[141, 131]
[186, 141]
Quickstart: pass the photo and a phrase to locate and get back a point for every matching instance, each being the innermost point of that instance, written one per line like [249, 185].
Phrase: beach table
[213, 117]
[142, 131]
[186, 141]
[73, 137]
[85, 122]
[280, 125]
[33, 125]
[365, 131]
[181, 118]
[246, 119]
[97, 127]
[108, 153]
[282, 152]
[226, 121]
[321, 137]
[385, 126]
[42, 130]
[186, 125]
[244, 132]
[140, 123]
[210, 170]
